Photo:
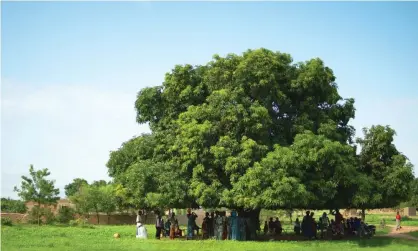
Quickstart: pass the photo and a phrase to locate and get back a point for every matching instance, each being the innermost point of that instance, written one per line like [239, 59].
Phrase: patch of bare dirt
[402, 233]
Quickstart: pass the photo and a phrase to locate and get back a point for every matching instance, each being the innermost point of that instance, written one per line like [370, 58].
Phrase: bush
[65, 215]
[13, 206]
[45, 214]
[6, 221]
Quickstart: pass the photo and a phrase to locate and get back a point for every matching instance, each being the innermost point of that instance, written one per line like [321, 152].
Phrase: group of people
[217, 225]
[273, 227]
[310, 227]
[337, 226]
[168, 228]
[220, 227]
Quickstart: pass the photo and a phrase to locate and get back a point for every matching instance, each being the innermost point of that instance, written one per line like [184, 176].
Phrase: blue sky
[71, 71]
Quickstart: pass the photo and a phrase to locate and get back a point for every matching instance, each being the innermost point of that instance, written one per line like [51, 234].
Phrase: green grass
[390, 219]
[27, 237]
[382, 231]
[414, 234]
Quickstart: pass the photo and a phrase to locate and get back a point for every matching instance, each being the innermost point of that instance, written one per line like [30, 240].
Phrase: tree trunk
[108, 216]
[39, 213]
[97, 215]
[254, 217]
[363, 214]
[290, 214]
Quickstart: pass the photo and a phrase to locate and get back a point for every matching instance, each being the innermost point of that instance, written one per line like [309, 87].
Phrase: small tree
[94, 198]
[108, 200]
[38, 189]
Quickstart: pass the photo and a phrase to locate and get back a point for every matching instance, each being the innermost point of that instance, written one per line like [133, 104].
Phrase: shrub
[45, 215]
[48, 216]
[65, 215]
[13, 206]
[80, 222]
[6, 221]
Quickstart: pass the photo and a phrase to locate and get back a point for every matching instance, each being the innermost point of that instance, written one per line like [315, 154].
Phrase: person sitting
[278, 226]
[178, 231]
[166, 231]
[296, 226]
[357, 225]
[334, 227]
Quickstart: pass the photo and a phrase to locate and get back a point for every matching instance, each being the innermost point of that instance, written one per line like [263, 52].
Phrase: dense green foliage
[65, 215]
[254, 131]
[73, 187]
[12, 206]
[99, 197]
[40, 215]
[385, 174]
[6, 221]
[413, 202]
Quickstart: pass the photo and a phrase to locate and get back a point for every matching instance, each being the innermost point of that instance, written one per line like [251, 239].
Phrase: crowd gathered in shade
[217, 225]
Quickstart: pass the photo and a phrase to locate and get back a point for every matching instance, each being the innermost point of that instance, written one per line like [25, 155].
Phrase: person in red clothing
[398, 221]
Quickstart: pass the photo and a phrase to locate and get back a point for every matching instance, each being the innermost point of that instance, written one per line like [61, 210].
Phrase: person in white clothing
[141, 231]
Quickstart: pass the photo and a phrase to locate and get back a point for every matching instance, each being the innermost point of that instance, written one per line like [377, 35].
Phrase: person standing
[296, 226]
[398, 221]
[324, 223]
[141, 232]
[234, 226]
[219, 224]
[211, 225]
[159, 224]
[173, 226]
[191, 223]
[205, 226]
[306, 224]
[338, 221]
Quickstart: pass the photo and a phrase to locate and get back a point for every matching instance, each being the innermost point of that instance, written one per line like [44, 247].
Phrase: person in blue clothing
[233, 221]
[191, 223]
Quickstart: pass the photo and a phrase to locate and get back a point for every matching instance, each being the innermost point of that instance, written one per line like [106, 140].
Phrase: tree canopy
[386, 173]
[245, 131]
[74, 186]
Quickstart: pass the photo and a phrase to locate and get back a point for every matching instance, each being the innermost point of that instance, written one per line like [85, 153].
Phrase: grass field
[414, 234]
[28, 237]
[390, 219]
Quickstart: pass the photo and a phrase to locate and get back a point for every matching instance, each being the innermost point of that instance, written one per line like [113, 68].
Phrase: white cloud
[68, 129]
